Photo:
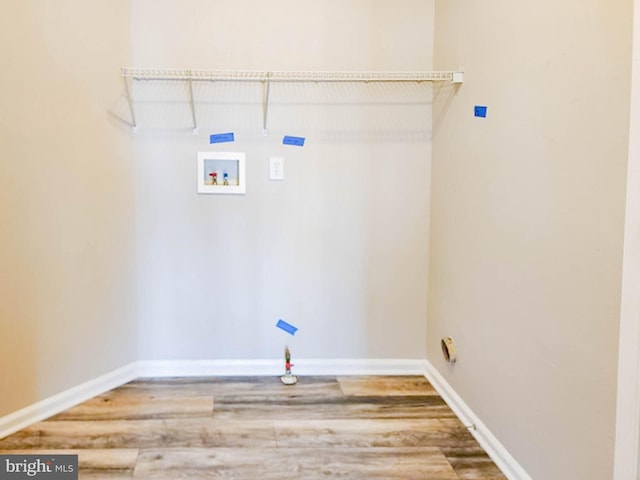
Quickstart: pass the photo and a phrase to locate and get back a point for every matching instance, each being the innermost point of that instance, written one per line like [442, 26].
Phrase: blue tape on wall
[222, 137]
[297, 141]
[287, 327]
[480, 111]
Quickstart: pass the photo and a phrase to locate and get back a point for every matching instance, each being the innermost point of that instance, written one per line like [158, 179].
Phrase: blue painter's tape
[287, 327]
[480, 111]
[222, 137]
[297, 141]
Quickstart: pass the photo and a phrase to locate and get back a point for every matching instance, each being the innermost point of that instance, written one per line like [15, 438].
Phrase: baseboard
[498, 453]
[302, 366]
[353, 366]
[62, 401]
[207, 368]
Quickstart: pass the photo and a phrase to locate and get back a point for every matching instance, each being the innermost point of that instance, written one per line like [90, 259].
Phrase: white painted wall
[527, 223]
[340, 247]
[67, 299]
[627, 453]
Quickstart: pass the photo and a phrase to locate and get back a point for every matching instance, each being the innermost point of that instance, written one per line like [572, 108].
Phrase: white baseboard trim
[207, 368]
[352, 366]
[301, 366]
[62, 401]
[498, 453]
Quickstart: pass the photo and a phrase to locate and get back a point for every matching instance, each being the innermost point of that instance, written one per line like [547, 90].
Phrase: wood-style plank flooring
[257, 428]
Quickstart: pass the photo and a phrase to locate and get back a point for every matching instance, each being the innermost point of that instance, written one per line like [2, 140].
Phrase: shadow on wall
[164, 106]
[443, 95]
[18, 357]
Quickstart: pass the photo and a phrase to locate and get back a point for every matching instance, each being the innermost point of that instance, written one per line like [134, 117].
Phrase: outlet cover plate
[276, 168]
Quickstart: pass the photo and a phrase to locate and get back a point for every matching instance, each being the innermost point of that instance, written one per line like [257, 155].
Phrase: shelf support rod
[193, 107]
[130, 102]
[266, 86]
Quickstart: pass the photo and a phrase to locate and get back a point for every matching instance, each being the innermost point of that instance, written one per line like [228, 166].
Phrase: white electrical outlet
[276, 168]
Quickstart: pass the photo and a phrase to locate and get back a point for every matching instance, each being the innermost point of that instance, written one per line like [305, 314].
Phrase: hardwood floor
[257, 428]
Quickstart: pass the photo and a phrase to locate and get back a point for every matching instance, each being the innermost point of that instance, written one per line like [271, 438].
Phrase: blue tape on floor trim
[297, 141]
[287, 327]
[222, 137]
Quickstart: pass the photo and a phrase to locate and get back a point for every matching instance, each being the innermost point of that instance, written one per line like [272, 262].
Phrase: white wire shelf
[288, 76]
[189, 76]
